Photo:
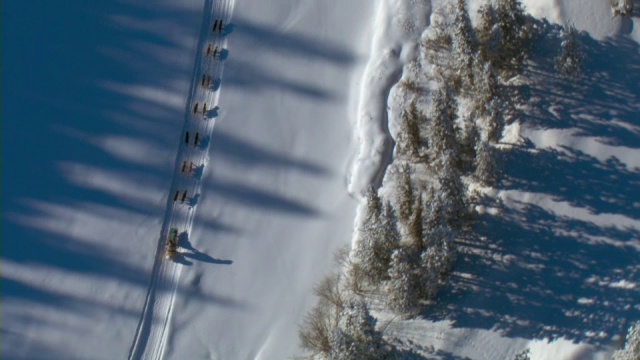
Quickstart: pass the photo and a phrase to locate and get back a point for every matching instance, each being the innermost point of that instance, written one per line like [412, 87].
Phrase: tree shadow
[603, 102]
[557, 257]
[113, 71]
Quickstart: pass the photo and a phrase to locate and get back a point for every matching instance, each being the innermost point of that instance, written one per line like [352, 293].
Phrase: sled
[172, 243]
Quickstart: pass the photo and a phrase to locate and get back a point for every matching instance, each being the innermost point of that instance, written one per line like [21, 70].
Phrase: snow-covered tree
[469, 137]
[404, 194]
[631, 350]
[404, 285]
[514, 31]
[413, 228]
[489, 33]
[440, 252]
[488, 103]
[433, 213]
[569, 61]
[486, 170]
[341, 346]
[374, 206]
[409, 140]
[376, 243]
[463, 48]
[486, 86]
[358, 323]
[452, 191]
[442, 136]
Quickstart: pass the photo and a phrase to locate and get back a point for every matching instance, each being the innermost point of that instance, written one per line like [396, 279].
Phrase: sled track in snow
[153, 329]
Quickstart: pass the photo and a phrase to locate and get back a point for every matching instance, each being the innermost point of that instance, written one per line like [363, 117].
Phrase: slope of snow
[555, 268]
[94, 98]
[276, 192]
[85, 206]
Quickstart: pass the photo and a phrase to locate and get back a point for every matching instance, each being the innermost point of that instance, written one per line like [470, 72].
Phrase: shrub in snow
[631, 350]
[622, 7]
[316, 328]
[569, 61]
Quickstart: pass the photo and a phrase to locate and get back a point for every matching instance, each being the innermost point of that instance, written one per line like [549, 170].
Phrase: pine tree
[404, 194]
[341, 346]
[358, 323]
[512, 21]
[469, 138]
[569, 61]
[374, 206]
[488, 103]
[442, 136]
[403, 287]
[429, 274]
[463, 48]
[486, 87]
[489, 33]
[414, 227]
[452, 191]
[376, 243]
[409, 140]
[433, 213]
[486, 170]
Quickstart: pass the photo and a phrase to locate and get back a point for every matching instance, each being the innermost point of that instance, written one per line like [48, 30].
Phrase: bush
[569, 61]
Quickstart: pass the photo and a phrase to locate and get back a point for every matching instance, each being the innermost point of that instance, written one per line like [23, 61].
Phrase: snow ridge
[153, 329]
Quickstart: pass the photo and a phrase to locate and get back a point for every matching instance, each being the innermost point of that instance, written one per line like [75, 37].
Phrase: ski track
[152, 333]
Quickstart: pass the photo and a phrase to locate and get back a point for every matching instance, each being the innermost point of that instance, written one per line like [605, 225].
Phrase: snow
[95, 99]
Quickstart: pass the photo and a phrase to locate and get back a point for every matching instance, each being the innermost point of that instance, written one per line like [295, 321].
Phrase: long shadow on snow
[80, 73]
[241, 151]
[604, 102]
[540, 274]
[252, 77]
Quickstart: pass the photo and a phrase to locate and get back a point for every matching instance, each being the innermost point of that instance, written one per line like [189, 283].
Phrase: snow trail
[153, 329]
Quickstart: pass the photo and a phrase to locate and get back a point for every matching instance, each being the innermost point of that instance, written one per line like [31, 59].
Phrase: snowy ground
[85, 203]
[94, 102]
[556, 267]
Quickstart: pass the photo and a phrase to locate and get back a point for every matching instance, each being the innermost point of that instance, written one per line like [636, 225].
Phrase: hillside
[97, 98]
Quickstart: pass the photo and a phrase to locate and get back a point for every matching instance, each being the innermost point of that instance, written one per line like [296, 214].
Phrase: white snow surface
[302, 129]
